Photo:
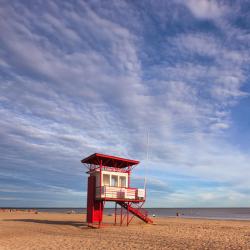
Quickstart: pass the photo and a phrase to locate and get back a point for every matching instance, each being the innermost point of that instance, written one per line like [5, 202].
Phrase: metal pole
[127, 214]
[129, 178]
[121, 217]
[115, 212]
[100, 204]
[145, 179]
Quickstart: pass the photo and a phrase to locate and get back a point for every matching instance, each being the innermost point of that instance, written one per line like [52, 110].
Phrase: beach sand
[27, 230]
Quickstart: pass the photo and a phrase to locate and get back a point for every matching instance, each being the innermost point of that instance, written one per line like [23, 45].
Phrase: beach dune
[27, 230]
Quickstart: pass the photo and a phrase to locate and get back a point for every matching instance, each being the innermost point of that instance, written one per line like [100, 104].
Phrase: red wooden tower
[109, 180]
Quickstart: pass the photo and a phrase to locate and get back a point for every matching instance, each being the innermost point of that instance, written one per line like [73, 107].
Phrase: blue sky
[80, 77]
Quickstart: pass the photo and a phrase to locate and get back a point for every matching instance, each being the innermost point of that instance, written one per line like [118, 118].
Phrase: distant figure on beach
[71, 212]
[178, 214]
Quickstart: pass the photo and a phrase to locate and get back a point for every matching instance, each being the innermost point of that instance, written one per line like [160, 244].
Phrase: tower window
[106, 180]
[114, 181]
[123, 181]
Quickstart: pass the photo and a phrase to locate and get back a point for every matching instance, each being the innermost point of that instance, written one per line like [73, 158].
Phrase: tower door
[94, 207]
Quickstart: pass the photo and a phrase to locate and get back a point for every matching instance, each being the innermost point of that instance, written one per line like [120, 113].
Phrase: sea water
[208, 213]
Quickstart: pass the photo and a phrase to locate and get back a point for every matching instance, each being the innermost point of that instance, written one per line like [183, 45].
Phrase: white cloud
[206, 197]
[206, 9]
[220, 125]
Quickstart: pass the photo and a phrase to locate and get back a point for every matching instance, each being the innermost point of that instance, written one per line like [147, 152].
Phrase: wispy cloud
[85, 77]
[206, 9]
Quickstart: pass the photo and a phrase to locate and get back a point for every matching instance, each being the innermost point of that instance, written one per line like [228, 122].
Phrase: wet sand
[27, 230]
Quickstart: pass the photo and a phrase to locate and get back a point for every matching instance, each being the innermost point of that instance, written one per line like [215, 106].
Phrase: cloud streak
[78, 79]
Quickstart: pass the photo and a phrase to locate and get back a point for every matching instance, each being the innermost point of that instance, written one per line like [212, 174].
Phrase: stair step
[141, 214]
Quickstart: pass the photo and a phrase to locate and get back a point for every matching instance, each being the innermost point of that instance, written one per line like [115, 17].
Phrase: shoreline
[72, 211]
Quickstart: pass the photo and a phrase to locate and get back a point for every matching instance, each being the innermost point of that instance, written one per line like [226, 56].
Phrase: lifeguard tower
[109, 180]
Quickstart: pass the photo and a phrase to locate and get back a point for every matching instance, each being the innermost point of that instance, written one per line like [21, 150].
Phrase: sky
[79, 77]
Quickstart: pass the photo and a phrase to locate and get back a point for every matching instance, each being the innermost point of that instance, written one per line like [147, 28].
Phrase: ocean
[207, 213]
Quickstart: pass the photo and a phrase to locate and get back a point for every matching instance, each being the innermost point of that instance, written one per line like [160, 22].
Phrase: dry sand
[23, 230]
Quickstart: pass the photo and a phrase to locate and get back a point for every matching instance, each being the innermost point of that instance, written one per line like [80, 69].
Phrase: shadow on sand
[77, 224]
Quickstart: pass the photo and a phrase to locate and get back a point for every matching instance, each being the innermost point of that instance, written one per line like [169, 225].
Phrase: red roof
[109, 161]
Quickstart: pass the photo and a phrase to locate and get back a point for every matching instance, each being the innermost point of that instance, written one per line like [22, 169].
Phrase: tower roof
[109, 161]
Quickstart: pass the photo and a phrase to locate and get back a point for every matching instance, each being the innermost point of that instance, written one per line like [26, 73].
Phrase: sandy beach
[27, 230]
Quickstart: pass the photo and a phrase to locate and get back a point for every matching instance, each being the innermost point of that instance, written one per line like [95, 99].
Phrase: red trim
[125, 200]
[118, 162]
[129, 188]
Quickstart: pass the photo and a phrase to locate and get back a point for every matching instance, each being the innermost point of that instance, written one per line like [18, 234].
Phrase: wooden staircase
[136, 210]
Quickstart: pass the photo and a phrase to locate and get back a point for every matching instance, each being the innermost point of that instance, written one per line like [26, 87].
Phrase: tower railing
[120, 193]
